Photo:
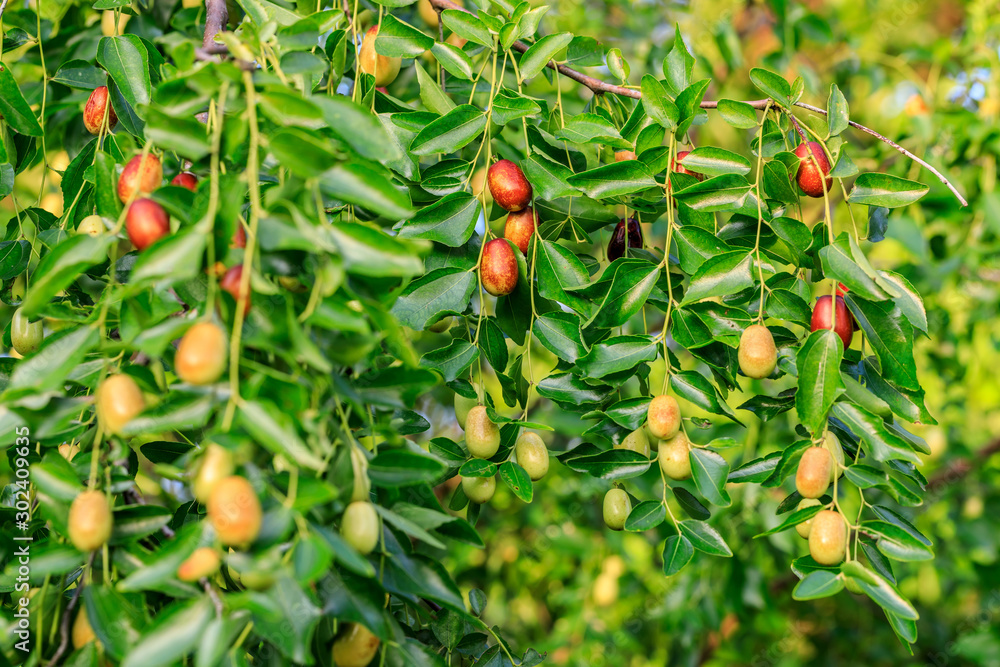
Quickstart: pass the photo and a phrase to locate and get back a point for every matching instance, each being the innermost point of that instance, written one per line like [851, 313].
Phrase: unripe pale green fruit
[442, 325]
[25, 336]
[90, 521]
[674, 457]
[235, 512]
[479, 489]
[119, 399]
[360, 526]
[616, 508]
[216, 465]
[204, 562]
[828, 538]
[803, 528]
[355, 647]
[831, 443]
[482, 436]
[851, 584]
[663, 417]
[463, 406]
[92, 225]
[757, 354]
[532, 455]
[812, 478]
[201, 354]
[635, 441]
[17, 290]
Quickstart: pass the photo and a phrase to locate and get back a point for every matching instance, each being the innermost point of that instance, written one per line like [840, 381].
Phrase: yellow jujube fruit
[674, 457]
[828, 538]
[812, 478]
[90, 520]
[663, 417]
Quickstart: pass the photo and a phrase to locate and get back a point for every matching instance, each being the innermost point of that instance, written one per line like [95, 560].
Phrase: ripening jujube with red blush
[140, 177]
[812, 478]
[204, 562]
[235, 512]
[385, 69]
[828, 538]
[757, 354]
[508, 185]
[498, 268]
[678, 168]
[146, 223]
[520, 226]
[90, 520]
[810, 175]
[185, 179]
[201, 354]
[839, 318]
[119, 400]
[663, 417]
[622, 156]
[232, 282]
[215, 465]
[93, 113]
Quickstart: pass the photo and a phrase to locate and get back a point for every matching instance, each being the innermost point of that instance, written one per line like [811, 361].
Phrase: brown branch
[64, 621]
[216, 17]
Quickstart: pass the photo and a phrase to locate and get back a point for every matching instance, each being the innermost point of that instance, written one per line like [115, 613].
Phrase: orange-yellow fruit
[663, 417]
[204, 562]
[216, 465]
[812, 478]
[119, 400]
[482, 437]
[674, 458]
[757, 354]
[532, 455]
[616, 508]
[355, 647]
[201, 354]
[635, 441]
[82, 633]
[235, 512]
[498, 268]
[93, 112]
[429, 14]
[383, 68]
[621, 156]
[90, 520]
[803, 528]
[360, 526]
[520, 226]
[828, 538]
[140, 177]
[508, 185]
[479, 489]
[68, 451]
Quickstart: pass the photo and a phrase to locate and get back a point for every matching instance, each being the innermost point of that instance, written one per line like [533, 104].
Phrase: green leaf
[14, 109]
[478, 468]
[591, 128]
[61, 266]
[710, 472]
[398, 39]
[174, 634]
[885, 594]
[876, 189]
[441, 292]
[431, 94]
[909, 300]
[693, 386]
[450, 220]
[358, 184]
[451, 132]
[738, 114]
[14, 256]
[508, 106]
[844, 262]
[614, 355]
[793, 519]
[756, 471]
[396, 468]
[837, 112]
[468, 26]
[723, 274]
[721, 193]
[645, 516]
[559, 270]
[517, 479]
[818, 584]
[704, 538]
[356, 127]
[453, 360]
[276, 432]
[560, 333]
[657, 105]
[677, 553]
[773, 85]
[628, 286]
[127, 62]
[453, 59]
[695, 245]
[880, 442]
[897, 543]
[715, 162]
[865, 477]
[891, 336]
[175, 258]
[541, 52]
[818, 363]
[678, 64]
[60, 353]
[611, 464]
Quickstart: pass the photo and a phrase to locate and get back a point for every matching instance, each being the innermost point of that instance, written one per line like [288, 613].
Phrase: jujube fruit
[479, 489]
[25, 335]
[520, 226]
[810, 175]
[498, 268]
[119, 400]
[803, 528]
[216, 465]
[663, 417]
[201, 354]
[532, 455]
[90, 520]
[360, 526]
[674, 457]
[355, 647]
[429, 14]
[82, 633]
[383, 68]
[140, 177]
[482, 436]
[92, 225]
[508, 185]
[757, 354]
[235, 512]
[185, 179]
[204, 562]
[232, 282]
[823, 318]
[626, 235]
[828, 538]
[93, 112]
[635, 441]
[831, 443]
[463, 406]
[678, 168]
[616, 508]
[622, 156]
[146, 223]
[812, 478]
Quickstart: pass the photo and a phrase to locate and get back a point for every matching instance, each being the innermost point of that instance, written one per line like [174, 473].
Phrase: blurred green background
[927, 75]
